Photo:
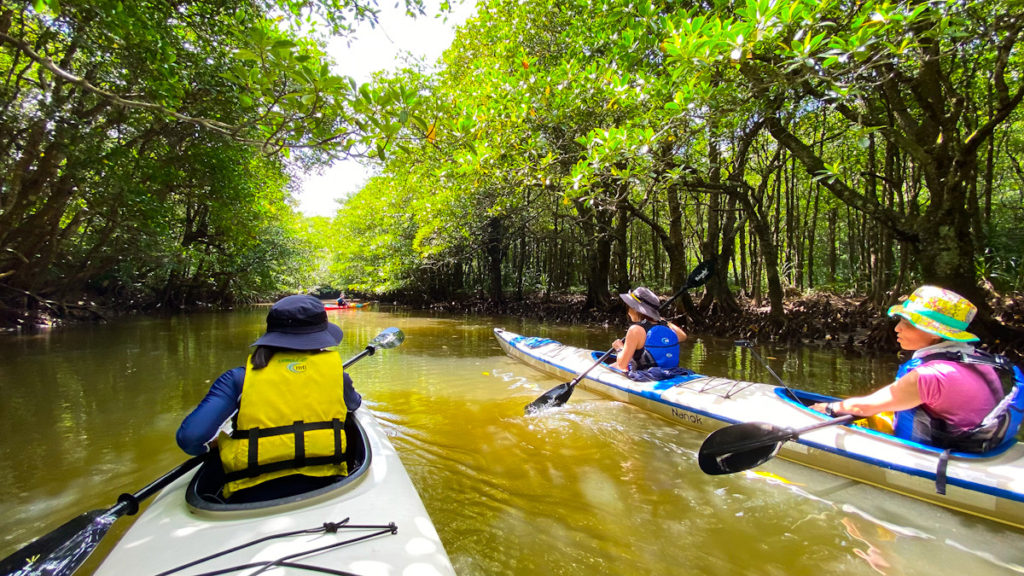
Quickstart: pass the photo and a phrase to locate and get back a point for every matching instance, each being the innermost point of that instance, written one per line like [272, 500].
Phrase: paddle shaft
[776, 437]
[703, 272]
[833, 422]
[368, 351]
[580, 376]
[126, 502]
[750, 346]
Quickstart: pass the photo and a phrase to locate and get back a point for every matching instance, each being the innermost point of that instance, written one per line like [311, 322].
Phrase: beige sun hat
[643, 301]
[938, 311]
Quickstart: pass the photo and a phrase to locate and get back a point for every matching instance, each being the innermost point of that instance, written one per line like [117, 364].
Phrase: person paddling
[286, 408]
[945, 392]
[651, 340]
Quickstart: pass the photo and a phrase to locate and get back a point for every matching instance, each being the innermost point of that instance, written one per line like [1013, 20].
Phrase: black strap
[282, 465]
[338, 431]
[298, 429]
[254, 448]
[940, 473]
[300, 444]
[257, 432]
[997, 361]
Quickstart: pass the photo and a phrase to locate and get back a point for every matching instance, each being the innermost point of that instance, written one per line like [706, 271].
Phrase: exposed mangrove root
[22, 309]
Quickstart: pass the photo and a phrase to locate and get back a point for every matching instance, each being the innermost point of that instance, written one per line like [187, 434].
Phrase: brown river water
[596, 487]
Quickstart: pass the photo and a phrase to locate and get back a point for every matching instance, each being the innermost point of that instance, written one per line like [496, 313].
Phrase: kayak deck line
[327, 527]
[987, 485]
[708, 384]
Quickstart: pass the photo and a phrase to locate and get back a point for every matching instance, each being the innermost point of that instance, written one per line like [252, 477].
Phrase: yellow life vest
[291, 420]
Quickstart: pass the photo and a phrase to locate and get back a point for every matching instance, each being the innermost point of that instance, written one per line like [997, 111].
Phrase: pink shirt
[960, 394]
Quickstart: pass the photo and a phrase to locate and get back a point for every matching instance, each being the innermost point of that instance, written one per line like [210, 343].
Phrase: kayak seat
[204, 490]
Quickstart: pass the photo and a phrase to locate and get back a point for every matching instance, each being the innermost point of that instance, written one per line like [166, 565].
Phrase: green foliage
[564, 145]
[144, 145]
[816, 143]
[374, 240]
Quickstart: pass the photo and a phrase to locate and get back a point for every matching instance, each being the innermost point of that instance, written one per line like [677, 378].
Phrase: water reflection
[597, 487]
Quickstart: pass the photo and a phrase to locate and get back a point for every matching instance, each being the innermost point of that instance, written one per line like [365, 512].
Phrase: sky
[373, 50]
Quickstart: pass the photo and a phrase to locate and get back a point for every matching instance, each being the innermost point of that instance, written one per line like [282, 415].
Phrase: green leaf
[419, 122]
[243, 54]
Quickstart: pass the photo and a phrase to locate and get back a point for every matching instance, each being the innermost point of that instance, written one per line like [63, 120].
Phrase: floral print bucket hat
[938, 311]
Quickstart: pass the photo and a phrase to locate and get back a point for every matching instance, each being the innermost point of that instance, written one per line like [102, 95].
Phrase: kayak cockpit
[804, 399]
[204, 490]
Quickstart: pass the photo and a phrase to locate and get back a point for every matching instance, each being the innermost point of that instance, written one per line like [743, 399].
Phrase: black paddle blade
[700, 274]
[740, 447]
[553, 398]
[63, 550]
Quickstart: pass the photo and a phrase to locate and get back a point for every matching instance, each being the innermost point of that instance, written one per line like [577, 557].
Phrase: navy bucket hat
[299, 323]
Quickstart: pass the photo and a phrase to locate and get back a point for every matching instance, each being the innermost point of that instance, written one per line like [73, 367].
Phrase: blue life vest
[997, 430]
[661, 348]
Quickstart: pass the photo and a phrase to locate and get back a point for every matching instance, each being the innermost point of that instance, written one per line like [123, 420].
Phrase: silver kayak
[989, 485]
[371, 522]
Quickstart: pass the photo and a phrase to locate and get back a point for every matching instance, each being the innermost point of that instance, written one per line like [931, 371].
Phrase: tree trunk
[595, 227]
[495, 252]
[620, 248]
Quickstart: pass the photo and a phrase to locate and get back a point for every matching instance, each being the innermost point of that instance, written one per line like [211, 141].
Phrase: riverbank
[818, 319]
[813, 319]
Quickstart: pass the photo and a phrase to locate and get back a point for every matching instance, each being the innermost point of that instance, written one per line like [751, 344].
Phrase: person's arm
[353, 399]
[900, 395]
[200, 427]
[634, 340]
[680, 334]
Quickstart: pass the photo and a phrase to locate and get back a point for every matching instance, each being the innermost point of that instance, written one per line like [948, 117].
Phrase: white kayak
[989, 485]
[375, 524]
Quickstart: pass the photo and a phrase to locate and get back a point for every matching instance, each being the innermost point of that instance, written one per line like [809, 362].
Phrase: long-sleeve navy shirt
[200, 427]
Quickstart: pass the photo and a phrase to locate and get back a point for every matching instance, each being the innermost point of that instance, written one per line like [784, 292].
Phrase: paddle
[750, 346]
[560, 394]
[749, 444]
[63, 550]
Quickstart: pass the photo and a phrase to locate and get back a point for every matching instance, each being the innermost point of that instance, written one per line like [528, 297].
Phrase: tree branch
[216, 126]
[816, 167]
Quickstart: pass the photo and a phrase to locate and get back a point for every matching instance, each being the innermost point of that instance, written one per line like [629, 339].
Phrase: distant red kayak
[345, 307]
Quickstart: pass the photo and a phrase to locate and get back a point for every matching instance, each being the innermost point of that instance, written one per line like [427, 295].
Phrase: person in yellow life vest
[287, 408]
